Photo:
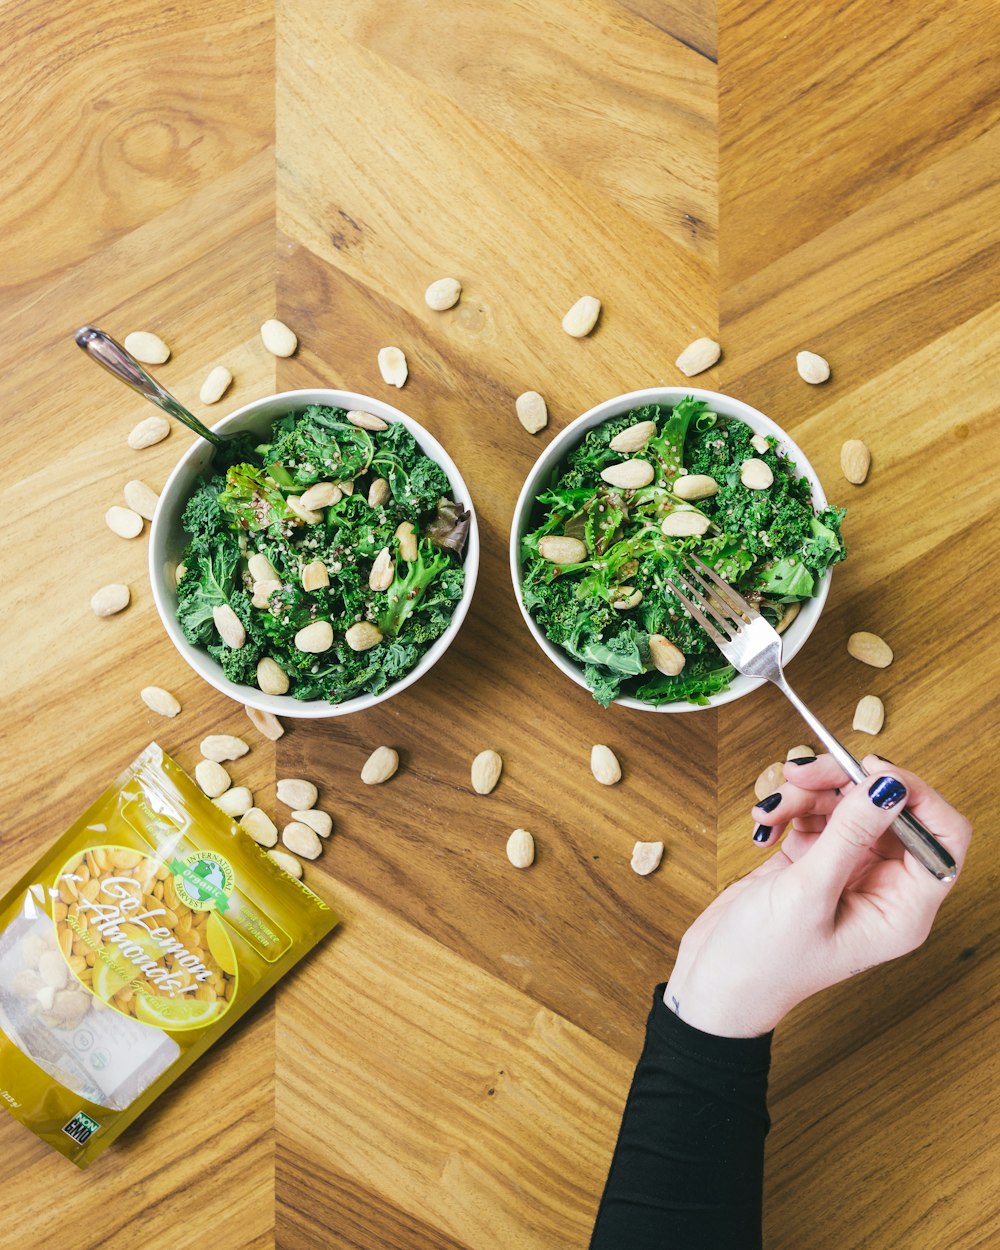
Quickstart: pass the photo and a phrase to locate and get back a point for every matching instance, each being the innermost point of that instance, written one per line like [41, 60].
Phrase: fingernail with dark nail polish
[886, 792]
[770, 803]
[806, 759]
[762, 833]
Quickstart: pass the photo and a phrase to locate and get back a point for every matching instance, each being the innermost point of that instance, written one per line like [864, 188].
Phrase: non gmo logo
[81, 1128]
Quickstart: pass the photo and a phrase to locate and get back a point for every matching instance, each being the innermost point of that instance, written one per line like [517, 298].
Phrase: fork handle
[920, 842]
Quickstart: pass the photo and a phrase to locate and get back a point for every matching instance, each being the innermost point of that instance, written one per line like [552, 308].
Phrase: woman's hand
[840, 896]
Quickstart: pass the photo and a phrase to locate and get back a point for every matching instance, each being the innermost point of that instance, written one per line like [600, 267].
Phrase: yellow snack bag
[136, 940]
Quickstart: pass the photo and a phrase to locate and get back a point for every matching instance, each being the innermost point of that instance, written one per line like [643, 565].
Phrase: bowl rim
[164, 597]
[726, 405]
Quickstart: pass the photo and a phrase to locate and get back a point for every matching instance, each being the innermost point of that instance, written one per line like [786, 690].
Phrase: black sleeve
[688, 1168]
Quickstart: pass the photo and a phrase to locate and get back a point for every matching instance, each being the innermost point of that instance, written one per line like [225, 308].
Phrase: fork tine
[735, 598]
[727, 611]
[697, 613]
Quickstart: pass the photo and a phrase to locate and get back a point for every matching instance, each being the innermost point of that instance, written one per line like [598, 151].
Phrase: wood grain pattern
[448, 1071]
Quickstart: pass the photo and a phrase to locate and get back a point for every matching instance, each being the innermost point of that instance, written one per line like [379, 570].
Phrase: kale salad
[639, 491]
[336, 546]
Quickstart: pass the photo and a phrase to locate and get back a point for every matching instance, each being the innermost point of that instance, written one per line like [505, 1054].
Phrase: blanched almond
[262, 592]
[800, 752]
[604, 765]
[634, 438]
[366, 420]
[146, 433]
[769, 780]
[260, 826]
[870, 649]
[345, 486]
[363, 635]
[629, 474]
[321, 822]
[223, 747]
[646, 857]
[229, 625]
[380, 766]
[301, 839]
[278, 338]
[110, 599]
[755, 474]
[315, 638]
[141, 498]
[315, 575]
[296, 792]
[812, 368]
[378, 493]
[531, 411]
[215, 385]
[265, 723]
[684, 524]
[212, 778]
[407, 537]
[443, 294]
[855, 461]
[261, 569]
[790, 613]
[146, 347]
[160, 701]
[298, 508]
[123, 522]
[320, 495]
[869, 716]
[695, 486]
[392, 366]
[759, 443]
[486, 770]
[626, 598]
[287, 863]
[382, 572]
[667, 658]
[235, 802]
[558, 549]
[698, 356]
[521, 848]
[582, 317]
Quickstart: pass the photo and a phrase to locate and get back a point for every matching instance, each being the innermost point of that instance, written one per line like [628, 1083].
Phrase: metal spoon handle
[110, 353]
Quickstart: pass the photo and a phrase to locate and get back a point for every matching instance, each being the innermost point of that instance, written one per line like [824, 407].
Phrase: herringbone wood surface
[447, 1072]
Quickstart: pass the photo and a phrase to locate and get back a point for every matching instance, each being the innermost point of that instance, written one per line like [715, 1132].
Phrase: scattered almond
[382, 572]
[295, 792]
[379, 767]
[626, 598]
[646, 857]
[629, 474]
[366, 420]
[634, 438]
[301, 839]
[855, 460]
[212, 778]
[800, 753]
[146, 347]
[604, 765]
[558, 549]
[392, 366]
[531, 411]
[223, 747]
[110, 599]
[123, 522]
[262, 592]
[278, 338]
[229, 625]
[407, 537]
[260, 826]
[261, 569]
[695, 486]
[315, 638]
[287, 863]
[363, 635]
[812, 368]
[521, 848]
[869, 715]
[315, 575]
[378, 493]
[582, 317]
[790, 613]
[159, 700]
[769, 780]
[667, 658]
[141, 498]
[443, 294]
[179, 572]
[215, 385]
[235, 802]
[755, 474]
[320, 822]
[760, 443]
[147, 432]
[298, 508]
[486, 770]
[266, 723]
[682, 523]
[698, 356]
[870, 649]
[321, 495]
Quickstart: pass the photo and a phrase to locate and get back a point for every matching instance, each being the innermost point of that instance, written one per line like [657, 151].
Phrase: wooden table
[448, 1071]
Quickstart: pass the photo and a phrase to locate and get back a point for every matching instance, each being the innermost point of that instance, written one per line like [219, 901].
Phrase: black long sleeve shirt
[688, 1169]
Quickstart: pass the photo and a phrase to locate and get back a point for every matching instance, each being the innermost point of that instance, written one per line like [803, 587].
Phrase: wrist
[719, 1014]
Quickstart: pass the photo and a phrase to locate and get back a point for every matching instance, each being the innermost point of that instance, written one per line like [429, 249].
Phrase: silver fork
[753, 647]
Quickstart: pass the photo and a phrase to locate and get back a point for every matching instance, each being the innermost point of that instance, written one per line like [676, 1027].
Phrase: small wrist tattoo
[676, 1008]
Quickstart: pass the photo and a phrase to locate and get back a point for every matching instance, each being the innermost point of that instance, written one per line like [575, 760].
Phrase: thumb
[852, 830]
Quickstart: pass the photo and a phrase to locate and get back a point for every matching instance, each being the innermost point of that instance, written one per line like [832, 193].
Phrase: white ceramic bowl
[168, 539]
[555, 454]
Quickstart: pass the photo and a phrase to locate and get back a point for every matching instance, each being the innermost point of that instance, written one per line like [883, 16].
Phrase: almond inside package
[136, 941]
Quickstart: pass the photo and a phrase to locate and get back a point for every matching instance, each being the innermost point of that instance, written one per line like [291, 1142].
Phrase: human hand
[838, 897]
